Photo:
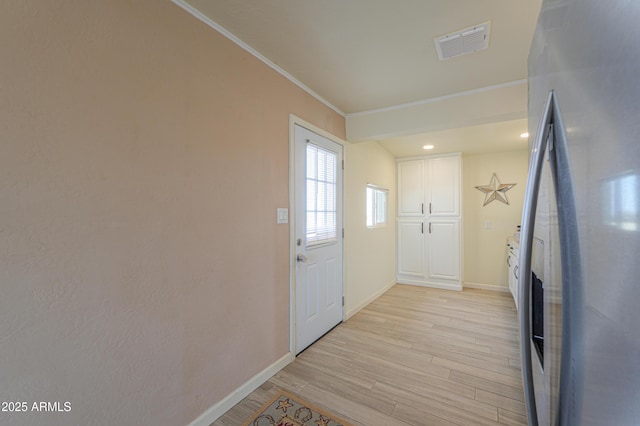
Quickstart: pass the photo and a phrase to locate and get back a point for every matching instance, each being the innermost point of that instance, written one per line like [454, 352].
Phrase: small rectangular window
[376, 206]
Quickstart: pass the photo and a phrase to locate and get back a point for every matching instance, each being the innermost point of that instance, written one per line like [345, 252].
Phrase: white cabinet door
[512, 263]
[444, 249]
[411, 184]
[411, 248]
[444, 186]
[516, 272]
[429, 221]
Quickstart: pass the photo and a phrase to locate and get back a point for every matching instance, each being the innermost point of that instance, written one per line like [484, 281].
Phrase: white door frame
[293, 120]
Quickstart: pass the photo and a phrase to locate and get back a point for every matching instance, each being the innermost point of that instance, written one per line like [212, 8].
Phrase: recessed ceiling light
[427, 147]
[524, 135]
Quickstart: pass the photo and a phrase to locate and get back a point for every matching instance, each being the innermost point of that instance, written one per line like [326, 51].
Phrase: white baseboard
[351, 312]
[490, 287]
[221, 407]
[457, 286]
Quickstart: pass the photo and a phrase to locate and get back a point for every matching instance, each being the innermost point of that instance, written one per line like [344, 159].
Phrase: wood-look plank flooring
[415, 356]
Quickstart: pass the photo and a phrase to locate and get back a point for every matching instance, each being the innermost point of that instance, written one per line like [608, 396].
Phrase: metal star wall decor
[495, 190]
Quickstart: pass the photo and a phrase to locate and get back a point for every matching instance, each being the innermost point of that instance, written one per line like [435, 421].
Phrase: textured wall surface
[485, 250]
[142, 159]
[370, 254]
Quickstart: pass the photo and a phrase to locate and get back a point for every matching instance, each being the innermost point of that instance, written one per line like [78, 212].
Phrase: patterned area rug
[288, 410]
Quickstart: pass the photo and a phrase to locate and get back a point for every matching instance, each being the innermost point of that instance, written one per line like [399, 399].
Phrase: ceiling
[363, 55]
[492, 137]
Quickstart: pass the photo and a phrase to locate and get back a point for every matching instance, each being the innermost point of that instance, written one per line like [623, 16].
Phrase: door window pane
[321, 196]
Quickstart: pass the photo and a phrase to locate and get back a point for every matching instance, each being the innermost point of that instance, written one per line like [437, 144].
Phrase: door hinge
[342, 164]
[342, 232]
[342, 300]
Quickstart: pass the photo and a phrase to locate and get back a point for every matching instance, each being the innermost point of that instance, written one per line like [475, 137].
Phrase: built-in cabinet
[429, 221]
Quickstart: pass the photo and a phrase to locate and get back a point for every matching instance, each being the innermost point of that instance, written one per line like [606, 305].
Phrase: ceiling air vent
[464, 41]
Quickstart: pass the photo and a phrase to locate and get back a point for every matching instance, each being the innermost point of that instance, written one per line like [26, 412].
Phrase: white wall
[485, 249]
[370, 254]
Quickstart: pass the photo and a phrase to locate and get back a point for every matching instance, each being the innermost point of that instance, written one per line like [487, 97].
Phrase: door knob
[301, 258]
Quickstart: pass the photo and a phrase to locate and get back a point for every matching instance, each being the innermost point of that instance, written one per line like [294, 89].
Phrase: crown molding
[219, 28]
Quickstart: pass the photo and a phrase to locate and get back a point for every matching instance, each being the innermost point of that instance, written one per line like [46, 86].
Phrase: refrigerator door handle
[526, 240]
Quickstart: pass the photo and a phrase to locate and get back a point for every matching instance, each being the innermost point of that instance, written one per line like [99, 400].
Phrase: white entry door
[318, 236]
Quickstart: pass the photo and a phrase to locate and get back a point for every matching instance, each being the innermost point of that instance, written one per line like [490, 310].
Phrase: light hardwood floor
[415, 356]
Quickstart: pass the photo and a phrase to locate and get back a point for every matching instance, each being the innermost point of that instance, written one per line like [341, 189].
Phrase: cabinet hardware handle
[429, 208]
[422, 227]
[422, 208]
[429, 227]
[515, 272]
[508, 263]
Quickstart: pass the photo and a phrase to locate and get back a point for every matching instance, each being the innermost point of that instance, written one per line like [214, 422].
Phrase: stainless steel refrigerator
[580, 241]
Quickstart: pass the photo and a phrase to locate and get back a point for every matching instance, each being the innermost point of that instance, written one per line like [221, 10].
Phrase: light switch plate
[283, 215]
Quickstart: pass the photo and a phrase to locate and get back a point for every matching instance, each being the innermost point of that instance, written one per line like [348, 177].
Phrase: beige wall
[142, 160]
[485, 249]
[370, 254]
